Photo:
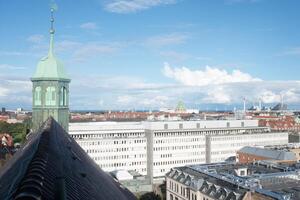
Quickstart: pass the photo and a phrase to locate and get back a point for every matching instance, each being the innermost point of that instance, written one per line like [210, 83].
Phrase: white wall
[173, 125]
[224, 146]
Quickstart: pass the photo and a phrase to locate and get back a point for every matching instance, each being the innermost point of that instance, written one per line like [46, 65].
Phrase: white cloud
[10, 67]
[77, 51]
[131, 6]
[15, 91]
[67, 45]
[88, 50]
[89, 26]
[142, 101]
[125, 100]
[173, 55]
[112, 92]
[3, 92]
[160, 100]
[168, 39]
[207, 76]
[14, 53]
[37, 38]
[268, 96]
[217, 95]
[289, 95]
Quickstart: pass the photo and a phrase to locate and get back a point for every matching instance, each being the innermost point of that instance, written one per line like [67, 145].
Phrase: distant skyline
[148, 54]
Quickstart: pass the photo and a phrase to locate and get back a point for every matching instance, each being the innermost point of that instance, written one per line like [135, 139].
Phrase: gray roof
[269, 153]
[211, 186]
[219, 180]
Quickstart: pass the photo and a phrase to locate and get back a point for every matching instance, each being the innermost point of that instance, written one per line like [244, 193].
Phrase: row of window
[124, 141]
[178, 140]
[190, 154]
[180, 126]
[222, 152]
[209, 132]
[106, 150]
[120, 157]
[123, 164]
[105, 166]
[166, 155]
[50, 96]
[105, 135]
[179, 162]
[166, 134]
[178, 147]
[243, 137]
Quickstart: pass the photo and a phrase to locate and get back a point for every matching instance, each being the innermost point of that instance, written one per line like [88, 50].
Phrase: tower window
[37, 96]
[63, 96]
[50, 96]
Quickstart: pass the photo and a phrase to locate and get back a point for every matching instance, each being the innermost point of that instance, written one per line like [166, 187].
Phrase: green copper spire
[52, 31]
[50, 66]
[50, 88]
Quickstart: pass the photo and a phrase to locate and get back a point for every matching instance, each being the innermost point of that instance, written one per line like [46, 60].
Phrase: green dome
[50, 66]
[180, 106]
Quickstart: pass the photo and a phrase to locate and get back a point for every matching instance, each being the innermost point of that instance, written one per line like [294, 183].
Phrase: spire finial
[52, 31]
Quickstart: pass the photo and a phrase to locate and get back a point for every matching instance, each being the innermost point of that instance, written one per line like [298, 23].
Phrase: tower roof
[50, 67]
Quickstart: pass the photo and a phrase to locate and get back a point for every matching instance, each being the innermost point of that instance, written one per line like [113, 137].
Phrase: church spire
[52, 31]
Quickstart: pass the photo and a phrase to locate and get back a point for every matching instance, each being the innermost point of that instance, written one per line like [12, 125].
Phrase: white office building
[154, 147]
[112, 145]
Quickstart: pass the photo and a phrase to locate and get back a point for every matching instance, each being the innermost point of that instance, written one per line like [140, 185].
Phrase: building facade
[50, 89]
[112, 145]
[153, 148]
[221, 147]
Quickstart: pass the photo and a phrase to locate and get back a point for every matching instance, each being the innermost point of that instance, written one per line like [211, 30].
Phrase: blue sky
[125, 54]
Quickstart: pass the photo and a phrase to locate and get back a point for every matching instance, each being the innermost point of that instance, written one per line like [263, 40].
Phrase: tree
[150, 196]
[18, 130]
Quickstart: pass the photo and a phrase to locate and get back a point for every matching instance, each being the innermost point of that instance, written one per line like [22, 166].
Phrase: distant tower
[50, 89]
[260, 104]
[244, 101]
[281, 101]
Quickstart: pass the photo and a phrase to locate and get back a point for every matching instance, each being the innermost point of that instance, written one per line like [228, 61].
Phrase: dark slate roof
[211, 186]
[51, 165]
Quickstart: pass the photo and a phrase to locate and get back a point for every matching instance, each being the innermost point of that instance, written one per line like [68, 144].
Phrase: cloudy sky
[148, 54]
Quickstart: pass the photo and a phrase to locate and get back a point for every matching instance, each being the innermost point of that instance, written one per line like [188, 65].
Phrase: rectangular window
[165, 126]
[180, 126]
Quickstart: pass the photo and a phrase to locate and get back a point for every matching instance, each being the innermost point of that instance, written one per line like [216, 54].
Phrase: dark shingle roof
[51, 165]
